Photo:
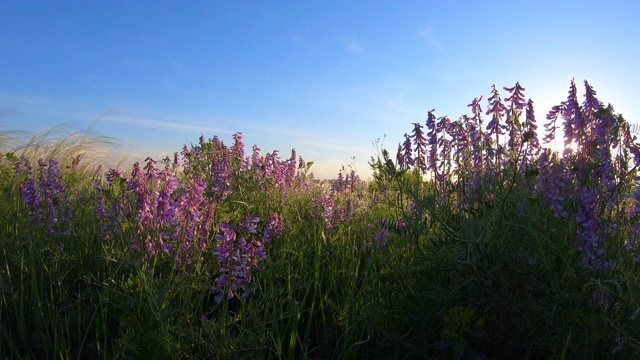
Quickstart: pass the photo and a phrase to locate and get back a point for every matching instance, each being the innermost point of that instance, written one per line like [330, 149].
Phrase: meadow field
[473, 240]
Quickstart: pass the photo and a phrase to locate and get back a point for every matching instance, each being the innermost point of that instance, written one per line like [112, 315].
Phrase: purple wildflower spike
[238, 146]
[496, 110]
[517, 97]
[420, 147]
[407, 152]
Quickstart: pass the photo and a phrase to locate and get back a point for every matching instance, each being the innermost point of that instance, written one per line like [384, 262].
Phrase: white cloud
[427, 32]
[352, 45]
[299, 40]
[25, 99]
[166, 125]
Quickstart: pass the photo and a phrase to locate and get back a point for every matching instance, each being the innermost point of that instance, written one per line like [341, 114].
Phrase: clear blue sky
[324, 77]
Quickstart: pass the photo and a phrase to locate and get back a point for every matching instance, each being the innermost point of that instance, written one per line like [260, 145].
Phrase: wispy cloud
[299, 137]
[352, 45]
[25, 99]
[299, 40]
[327, 145]
[427, 32]
[167, 125]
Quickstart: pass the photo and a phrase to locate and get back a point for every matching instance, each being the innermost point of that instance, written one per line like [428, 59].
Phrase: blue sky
[324, 77]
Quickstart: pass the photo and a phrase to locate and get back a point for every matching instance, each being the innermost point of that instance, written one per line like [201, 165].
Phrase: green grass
[498, 284]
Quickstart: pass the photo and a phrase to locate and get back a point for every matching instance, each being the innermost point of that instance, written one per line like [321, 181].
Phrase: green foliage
[407, 274]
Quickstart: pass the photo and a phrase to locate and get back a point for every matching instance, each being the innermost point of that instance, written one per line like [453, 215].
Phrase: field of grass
[474, 241]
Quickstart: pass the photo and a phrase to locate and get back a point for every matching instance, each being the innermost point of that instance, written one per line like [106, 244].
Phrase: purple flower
[574, 123]
[591, 105]
[551, 183]
[151, 172]
[517, 97]
[420, 144]
[530, 134]
[113, 174]
[352, 180]
[238, 146]
[476, 109]
[30, 196]
[407, 152]
[249, 224]
[238, 253]
[187, 218]
[400, 158]
[323, 209]
[164, 203]
[589, 235]
[339, 184]
[432, 141]
[496, 110]
[381, 238]
[550, 126]
[46, 198]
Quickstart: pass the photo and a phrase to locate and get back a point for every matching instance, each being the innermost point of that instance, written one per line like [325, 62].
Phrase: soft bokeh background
[327, 78]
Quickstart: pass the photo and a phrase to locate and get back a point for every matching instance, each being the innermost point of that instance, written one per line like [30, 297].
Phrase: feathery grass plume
[83, 151]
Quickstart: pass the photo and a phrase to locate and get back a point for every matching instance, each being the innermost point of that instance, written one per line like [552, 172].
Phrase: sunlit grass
[81, 149]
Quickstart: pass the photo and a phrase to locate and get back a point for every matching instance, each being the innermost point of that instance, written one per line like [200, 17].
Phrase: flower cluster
[382, 230]
[44, 193]
[180, 209]
[238, 252]
[469, 162]
[336, 203]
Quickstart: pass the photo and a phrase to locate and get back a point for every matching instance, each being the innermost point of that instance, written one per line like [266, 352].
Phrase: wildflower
[339, 183]
[30, 196]
[113, 174]
[175, 159]
[590, 105]
[407, 152]
[551, 182]
[587, 236]
[58, 209]
[530, 135]
[400, 158]
[238, 146]
[291, 168]
[516, 98]
[150, 170]
[249, 224]
[238, 253]
[164, 202]
[420, 144]
[550, 126]
[476, 109]
[381, 238]
[352, 180]
[137, 185]
[574, 125]
[496, 110]
[274, 229]
[432, 141]
[187, 215]
[323, 209]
